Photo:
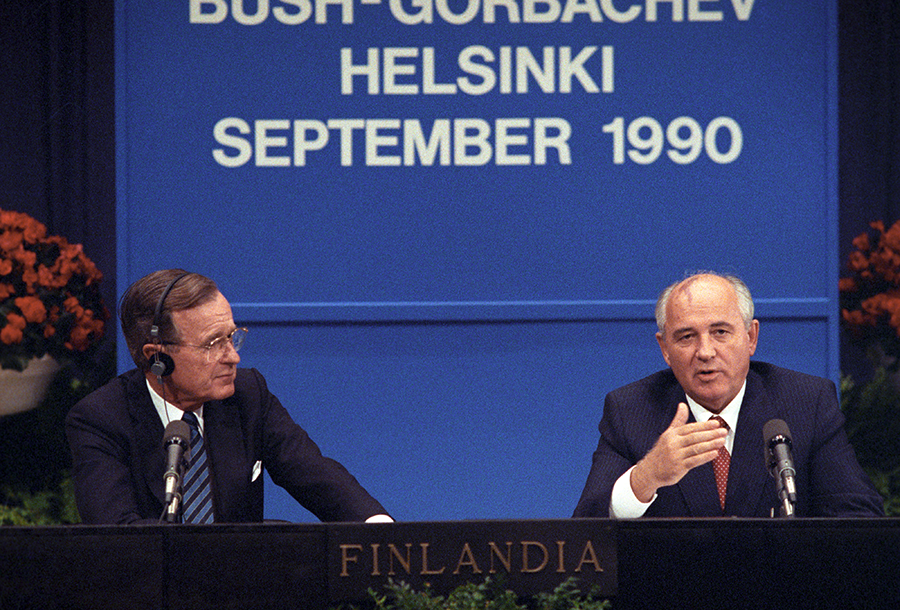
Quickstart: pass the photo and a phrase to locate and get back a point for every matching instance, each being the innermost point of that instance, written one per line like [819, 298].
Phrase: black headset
[163, 365]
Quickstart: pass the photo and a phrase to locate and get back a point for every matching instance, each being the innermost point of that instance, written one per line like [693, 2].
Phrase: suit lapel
[699, 489]
[748, 479]
[149, 433]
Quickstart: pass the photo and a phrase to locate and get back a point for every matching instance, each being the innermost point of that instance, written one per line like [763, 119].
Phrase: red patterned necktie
[720, 466]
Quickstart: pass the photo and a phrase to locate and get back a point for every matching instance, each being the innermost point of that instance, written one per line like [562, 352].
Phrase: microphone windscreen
[775, 427]
[177, 432]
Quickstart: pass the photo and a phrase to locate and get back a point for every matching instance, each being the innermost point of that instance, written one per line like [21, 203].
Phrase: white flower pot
[24, 390]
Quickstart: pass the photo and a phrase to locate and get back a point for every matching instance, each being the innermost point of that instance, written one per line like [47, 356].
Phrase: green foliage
[568, 597]
[45, 507]
[488, 595]
[36, 490]
[873, 426]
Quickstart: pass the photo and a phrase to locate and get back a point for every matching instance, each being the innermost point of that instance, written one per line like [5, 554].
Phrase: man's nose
[705, 348]
[231, 355]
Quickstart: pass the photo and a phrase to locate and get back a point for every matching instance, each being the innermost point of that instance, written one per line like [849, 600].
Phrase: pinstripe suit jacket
[830, 482]
[115, 436]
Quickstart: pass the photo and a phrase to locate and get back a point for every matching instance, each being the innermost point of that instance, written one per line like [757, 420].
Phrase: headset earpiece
[162, 365]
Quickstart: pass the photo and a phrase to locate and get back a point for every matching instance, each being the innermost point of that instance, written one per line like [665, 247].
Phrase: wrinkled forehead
[205, 321]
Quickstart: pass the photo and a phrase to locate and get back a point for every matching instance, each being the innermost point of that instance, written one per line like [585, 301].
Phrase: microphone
[176, 440]
[780, 464]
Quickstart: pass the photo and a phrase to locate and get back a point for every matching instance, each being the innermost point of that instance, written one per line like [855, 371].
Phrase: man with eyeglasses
[182, 337]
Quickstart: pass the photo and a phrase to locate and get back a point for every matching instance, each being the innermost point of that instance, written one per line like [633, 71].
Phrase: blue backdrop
[446, 222]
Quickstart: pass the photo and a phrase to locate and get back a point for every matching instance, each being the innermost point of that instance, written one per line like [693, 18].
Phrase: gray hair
[745, 301]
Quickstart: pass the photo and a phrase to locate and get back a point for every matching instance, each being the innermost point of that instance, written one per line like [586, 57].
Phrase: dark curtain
[869, 85]
[57, 132]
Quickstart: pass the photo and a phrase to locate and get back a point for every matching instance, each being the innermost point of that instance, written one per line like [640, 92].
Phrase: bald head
[742, 293]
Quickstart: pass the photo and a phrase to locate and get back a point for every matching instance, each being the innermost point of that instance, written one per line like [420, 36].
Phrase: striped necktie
[198, 507]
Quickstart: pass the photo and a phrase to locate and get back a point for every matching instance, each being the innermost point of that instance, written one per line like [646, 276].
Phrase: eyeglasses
[216, 348]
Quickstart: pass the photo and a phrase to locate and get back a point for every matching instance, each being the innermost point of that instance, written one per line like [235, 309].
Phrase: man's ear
[754, 335]
[149, 350]
[663, 347]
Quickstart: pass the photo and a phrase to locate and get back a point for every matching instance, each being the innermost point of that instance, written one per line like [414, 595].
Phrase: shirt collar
[167, 411]
[729, 413]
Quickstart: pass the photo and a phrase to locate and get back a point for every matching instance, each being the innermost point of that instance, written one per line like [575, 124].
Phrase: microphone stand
[787, 507]
[174, 507]
[787, 494]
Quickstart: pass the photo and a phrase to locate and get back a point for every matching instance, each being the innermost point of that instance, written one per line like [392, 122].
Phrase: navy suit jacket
[116, 438]
[830, 482]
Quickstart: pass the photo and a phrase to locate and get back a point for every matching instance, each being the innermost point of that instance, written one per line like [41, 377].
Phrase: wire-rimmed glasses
[216, 348]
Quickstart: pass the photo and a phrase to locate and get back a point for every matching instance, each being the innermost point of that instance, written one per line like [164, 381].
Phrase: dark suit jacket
[115, 436]
[830, 482]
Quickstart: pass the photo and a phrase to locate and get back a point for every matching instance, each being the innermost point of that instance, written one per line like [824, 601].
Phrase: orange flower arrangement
[870, 297]
[50, 301]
